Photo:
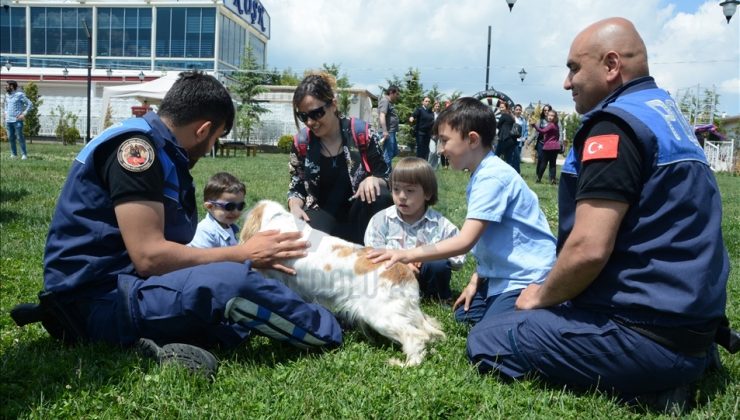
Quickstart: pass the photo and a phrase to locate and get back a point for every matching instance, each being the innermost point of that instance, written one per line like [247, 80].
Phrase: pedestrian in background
[17, 106]
[388, 119]
[423, 119]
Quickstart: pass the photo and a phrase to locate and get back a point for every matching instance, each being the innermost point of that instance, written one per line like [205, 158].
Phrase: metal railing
[720, 155]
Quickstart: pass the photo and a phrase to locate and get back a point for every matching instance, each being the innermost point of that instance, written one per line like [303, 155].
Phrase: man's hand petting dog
[266, 249]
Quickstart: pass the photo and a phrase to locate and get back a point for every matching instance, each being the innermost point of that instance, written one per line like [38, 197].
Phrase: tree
[108, 118]
[31, 123]
[700, 108]
[343, 84]
[248, 84]
[569, 123]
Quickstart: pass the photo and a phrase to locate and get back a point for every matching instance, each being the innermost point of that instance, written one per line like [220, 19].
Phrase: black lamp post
[511, 4]
[89, 76]
[522, 74]
[728, 8]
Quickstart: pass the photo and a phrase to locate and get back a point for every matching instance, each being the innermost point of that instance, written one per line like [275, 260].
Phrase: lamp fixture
[728, 8]
[511, 4]
[522, 74]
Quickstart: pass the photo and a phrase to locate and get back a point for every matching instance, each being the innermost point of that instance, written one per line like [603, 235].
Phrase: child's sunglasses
[229, 205]
[315, 114]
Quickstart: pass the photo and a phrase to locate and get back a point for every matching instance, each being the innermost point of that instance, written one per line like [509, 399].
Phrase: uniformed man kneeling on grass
[116, 267]
[636, 298]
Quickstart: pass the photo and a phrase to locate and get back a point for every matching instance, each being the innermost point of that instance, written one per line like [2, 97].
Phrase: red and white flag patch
[601, 147]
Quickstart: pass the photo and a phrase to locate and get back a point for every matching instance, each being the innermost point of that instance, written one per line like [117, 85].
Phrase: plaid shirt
[387, 230]
[16, 103]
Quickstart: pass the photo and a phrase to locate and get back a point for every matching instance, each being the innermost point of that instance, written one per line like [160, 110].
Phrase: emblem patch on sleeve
[601, 147]
[136, 155]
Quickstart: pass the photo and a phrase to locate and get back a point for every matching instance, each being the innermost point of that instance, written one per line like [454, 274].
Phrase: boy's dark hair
[198, 96]
[392, 89]
[13, 84]
[222, 182]
[414, 170]
[468, 114]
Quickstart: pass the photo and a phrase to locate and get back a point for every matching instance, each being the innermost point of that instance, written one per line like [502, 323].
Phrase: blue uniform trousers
[210, 305]
[583, 349]
[390, 148]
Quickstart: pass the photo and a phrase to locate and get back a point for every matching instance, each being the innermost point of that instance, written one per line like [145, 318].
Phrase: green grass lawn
[40, 378]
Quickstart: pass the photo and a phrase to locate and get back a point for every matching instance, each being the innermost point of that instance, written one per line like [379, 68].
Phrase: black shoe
[194, 358]
[674, 401]
[714, 363]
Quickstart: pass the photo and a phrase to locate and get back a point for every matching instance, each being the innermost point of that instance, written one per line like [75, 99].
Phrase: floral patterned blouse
[305, 172]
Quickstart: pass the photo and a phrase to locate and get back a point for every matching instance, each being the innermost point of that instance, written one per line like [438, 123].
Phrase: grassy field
[42, 379]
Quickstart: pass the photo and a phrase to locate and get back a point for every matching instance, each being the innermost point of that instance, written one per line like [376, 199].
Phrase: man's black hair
[393, 89]
[469, 114]
[198, 96]
[13, 84]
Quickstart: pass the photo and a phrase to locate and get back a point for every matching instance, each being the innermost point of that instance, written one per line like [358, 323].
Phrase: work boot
[675, 401]
[194, 358]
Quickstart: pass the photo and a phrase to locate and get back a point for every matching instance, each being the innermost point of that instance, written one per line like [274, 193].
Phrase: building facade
[52, 43]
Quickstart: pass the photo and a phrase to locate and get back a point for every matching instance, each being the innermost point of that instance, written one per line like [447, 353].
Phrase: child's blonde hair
[414, 170]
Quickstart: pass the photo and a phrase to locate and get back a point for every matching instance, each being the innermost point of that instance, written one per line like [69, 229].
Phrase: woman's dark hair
[198, 96]
[466, 115]
[543, 113]
[319, 85]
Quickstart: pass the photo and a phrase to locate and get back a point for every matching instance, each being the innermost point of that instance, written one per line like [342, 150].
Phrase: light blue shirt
[387, 230]
[210, 234]
[517, 247]
[16, 103]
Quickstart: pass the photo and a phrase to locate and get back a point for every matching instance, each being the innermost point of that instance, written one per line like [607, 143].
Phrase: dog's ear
[252, 222]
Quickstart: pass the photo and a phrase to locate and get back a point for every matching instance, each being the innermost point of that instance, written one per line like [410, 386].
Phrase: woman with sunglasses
[330, 188]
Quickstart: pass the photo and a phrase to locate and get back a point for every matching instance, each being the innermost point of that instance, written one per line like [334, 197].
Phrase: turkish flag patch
[601, 147]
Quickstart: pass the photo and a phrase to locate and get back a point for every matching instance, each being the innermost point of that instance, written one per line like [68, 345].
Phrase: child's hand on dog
[391, 255]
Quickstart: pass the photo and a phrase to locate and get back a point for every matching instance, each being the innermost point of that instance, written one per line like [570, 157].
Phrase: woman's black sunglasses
[229, 205]
[315, 114]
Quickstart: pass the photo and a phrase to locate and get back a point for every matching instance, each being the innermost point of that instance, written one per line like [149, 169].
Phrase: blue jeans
[390, 148]
[15, 130]
[434, 279]
[570, 346]
[482, 307]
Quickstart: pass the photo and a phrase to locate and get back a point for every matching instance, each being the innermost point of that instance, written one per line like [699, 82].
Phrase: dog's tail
[414, 340]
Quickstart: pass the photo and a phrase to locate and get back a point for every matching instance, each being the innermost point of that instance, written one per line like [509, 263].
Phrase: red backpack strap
[300, 141]
[361, 135]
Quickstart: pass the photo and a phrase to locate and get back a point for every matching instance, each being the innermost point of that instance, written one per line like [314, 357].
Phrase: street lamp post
[511, 4]
[522, 74]
[488, 58]
[728, 8]
[89, 76]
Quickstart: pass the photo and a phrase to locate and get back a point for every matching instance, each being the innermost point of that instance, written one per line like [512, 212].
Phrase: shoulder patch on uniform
[601, 147]
[136, 155]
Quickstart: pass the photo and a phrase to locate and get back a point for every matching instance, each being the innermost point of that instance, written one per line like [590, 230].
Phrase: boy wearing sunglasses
[223, 199]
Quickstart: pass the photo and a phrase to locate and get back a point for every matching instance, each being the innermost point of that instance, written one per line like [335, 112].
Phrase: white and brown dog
[338, 275]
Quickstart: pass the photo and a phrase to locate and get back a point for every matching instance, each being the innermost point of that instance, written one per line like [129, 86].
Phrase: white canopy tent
[152, 92]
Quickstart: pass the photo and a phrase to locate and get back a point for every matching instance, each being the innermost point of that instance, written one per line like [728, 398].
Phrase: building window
[124, 32]
[185, 32]
[59, 30]
[13, 30]
[233, 42]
